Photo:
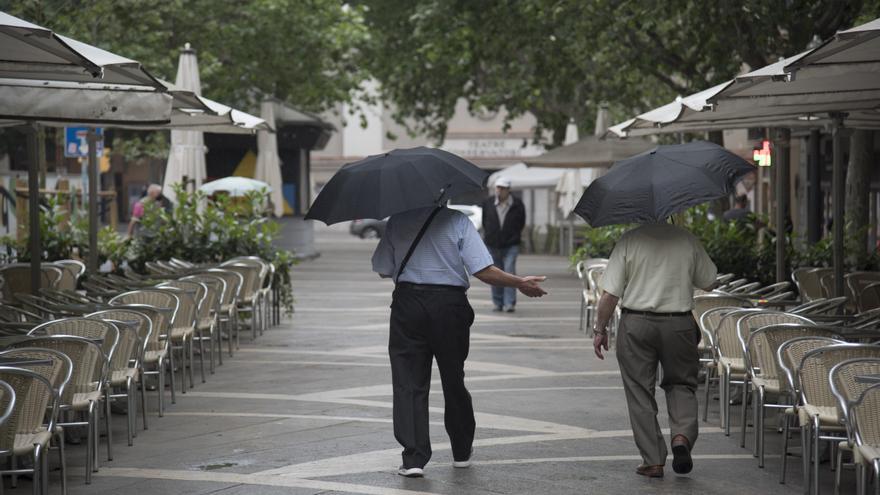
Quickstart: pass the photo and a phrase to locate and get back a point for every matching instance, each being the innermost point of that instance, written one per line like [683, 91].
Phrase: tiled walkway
[307, 408]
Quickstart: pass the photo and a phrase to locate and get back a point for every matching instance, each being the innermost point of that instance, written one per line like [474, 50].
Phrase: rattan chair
[847, 387]
[731, 362]
[588, 297]
[818, 410]
[267, 274]
[56, 368]
[73, 271]
[30, 428]
[227, 317]
[864, 413]
[183, 326]
[17, 279]
[765, 374]
[708, 322]
[788, 357]
[249, 294]
[209, 312]
[168, 304]
[126, 366]
[744, 327]
[106, 335]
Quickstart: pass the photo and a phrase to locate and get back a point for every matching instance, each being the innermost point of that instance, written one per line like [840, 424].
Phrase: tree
[301, 52]
[560, 59]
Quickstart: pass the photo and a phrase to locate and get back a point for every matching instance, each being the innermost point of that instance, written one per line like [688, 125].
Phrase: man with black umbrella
[653, 271]
[431, 254]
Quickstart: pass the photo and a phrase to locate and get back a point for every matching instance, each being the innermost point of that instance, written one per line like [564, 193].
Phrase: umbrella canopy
[34, 52]
[268, 168]
[656, 184]
[235, 186]
[186, 159]
[403, 179]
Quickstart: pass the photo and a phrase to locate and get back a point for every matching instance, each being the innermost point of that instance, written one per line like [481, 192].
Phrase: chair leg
[744, 412]
[143, 383]
[44, 472]
[581, 326]
[709, 372]
[191, 359]
[37, 472]
[786, 425]
[171, 365]
[726, 404]
[130, 412]
[201, 337]
[806, 437]
[62, 462]
[759, 426]
[838, 468]
[217, 335]
[107, 429]
[815, 445]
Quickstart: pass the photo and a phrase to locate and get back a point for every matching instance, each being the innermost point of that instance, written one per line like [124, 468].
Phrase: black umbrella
[404, 179]
[656, 184]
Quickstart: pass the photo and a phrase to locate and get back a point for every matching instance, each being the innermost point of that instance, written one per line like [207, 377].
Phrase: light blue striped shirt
[448, 254]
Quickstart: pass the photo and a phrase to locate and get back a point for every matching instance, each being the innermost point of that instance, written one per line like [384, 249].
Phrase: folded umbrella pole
[654, 185]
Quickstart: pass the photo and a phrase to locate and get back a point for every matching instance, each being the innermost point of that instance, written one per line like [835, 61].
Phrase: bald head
[154, 191]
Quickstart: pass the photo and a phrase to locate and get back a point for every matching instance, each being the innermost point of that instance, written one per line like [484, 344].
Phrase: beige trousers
[643, 342]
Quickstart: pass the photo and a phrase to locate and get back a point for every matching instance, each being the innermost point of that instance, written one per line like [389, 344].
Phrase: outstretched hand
[530, 286]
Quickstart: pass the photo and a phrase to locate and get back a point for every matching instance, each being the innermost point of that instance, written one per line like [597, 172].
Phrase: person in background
[504, 218]
[652, 272]
[154, 191]
[740, 211]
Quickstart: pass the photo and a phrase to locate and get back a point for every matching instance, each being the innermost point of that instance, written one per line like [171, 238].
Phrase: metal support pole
[33, 143]
[838, 186]
[814, 189]
[93, 201]
[782, 139]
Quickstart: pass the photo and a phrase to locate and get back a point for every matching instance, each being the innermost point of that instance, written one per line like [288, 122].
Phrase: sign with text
[76, 143]
[492, 148]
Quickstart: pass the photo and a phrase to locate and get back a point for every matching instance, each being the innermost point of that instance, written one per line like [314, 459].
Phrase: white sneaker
[465, 463]
[413, 472]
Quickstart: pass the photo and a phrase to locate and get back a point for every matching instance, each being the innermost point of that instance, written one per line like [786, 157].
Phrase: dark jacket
[502, 236]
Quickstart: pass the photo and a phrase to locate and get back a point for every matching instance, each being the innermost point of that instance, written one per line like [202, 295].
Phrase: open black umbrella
[404, 179]
[651, 186]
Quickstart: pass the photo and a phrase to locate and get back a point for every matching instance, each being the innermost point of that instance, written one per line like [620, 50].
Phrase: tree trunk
[858, 183]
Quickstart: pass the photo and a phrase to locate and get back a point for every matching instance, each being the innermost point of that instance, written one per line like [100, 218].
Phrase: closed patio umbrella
[268, 167]
[186, 158]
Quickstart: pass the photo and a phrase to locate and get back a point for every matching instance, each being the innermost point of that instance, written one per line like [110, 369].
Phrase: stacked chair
[81, 344]
[796, 350]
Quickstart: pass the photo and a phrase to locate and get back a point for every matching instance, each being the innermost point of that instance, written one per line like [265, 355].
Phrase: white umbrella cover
[569, 190]
[268, 167]
[187, 155]
[234, 185]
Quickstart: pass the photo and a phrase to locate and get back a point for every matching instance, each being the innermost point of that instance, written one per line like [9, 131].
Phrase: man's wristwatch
[597, 332]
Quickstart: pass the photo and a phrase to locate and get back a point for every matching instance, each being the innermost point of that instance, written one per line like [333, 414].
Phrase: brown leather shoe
[682, 463]
[655, 471]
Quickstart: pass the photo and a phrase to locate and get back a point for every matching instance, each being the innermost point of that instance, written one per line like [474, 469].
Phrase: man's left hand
[600, 341]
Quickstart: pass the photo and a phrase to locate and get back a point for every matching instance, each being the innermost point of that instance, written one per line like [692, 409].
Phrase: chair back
[821, 306]
[808, 284]
[791, 352]
[750, 322]
[816, 365]
[215, 287]
[88, 372]
[134, 333]
[103, 333]
[847, 386]
[726, 338]
[233, 279]
[159, 319]
[188, 308]
[7, 402]
[251, 283]
[164, 300]
[35, 398]
[705, 302]
[72, 271]
[709, 322]
[868, 298]
[17, 279]
[764, 343]
[594, 278]
[865, 412]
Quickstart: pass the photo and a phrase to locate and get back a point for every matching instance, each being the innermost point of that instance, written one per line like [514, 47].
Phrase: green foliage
[737, 247]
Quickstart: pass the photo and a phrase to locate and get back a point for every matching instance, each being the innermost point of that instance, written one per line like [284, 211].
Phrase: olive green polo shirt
[656, 267]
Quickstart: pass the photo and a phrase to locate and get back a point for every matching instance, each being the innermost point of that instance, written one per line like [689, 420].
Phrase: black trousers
[427, 325]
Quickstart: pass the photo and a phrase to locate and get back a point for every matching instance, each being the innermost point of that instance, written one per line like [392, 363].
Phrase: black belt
[431, 287]
[651, 313]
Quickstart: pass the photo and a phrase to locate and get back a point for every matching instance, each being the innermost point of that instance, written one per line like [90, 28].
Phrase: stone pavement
[306, 409]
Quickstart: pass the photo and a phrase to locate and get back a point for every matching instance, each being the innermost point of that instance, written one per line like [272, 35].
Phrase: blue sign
[76, 143]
